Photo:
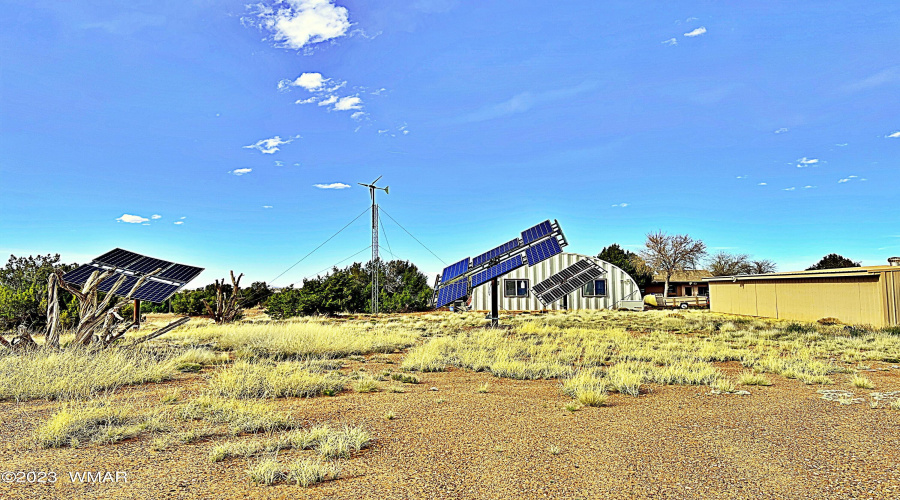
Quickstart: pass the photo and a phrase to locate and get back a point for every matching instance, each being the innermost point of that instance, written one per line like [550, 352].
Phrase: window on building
[596, 288]
[515, 288]
[704, 290]
[673, 290]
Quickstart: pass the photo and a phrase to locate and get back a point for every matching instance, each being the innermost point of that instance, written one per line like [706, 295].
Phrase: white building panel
[619, 287]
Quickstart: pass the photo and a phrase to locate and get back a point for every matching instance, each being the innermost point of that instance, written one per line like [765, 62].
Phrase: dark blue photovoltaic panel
[454, 270]
[80, 276]
[490, 254]
[107, 284]
[537, 232]
[498, 270]
[154, 291]
[147, 264]
[542, 251]
[180, 272]
[118, 257]
[451, 292]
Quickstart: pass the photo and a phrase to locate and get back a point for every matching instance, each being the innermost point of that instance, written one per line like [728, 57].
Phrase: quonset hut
[616, 289]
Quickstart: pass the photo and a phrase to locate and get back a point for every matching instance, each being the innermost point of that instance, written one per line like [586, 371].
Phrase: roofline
[819, 273]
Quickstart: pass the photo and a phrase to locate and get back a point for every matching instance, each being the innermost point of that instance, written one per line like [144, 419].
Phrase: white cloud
[809, 187]
[182, 218]
[781, 130]
[696, 32]
[348, 103]
[670, 42]
[895, 135]
[295, 24]
[156, 216]
[790, 189]
[762, 184]
[621, 205]
[267, 206]
[179, 222]
[841, 144]
[691, 19]
[524, 101]
[279, 163]
[240, 171]
[306, 101]
[843, 181]
[132, 219]
[270, 146]
[334, 185]
[309, 81]
[805, 162]
[358, 115]
[741, 177]
[329, 101]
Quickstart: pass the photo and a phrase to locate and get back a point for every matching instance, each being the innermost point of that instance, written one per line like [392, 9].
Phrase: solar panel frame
[450, 293]
[542, 251]
[148, 264]
[180, 272]
[537, 232]
[567, 281]
[118, 257]
[80, 276]
[495, 252]
[454, 270]
[497, 270]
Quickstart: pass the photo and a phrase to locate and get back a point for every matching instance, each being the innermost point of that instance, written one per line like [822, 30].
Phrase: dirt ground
[515, 441]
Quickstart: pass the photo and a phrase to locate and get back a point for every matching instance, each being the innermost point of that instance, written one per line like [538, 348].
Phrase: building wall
[619, 286]
[862, 300]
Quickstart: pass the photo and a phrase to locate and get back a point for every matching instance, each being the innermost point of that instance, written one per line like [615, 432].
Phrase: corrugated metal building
[515, 288]
[853, 295]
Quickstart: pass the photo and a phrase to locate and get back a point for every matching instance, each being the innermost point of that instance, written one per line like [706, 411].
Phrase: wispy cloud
[267, 206]
[295, 24]
[348, 103]
[670, 42]
[270, 146]
[696, 32]
[762, 184]
[179, 222]
[741, 177]
[279, 163]
[841, 145]
[240, 171]
[525, 101]
[883, 77]
[156, 216]
[334, 185]
[895, 135]
[309, 81]
[850, 178]
[809, 187]
[805, 162]
[781, 130]
[132, 219]
[790, 189]
[620, 205]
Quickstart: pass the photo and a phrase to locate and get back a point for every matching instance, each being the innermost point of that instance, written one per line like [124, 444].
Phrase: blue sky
[771, 129]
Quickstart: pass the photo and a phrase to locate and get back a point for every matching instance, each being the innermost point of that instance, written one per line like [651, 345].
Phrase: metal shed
[854, 295]
[516, 295]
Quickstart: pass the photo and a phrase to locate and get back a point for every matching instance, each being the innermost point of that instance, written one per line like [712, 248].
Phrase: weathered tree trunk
[52, 335]
[228, 308]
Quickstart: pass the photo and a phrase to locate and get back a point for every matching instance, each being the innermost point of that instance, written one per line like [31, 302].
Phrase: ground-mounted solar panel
[118, 258]
[180, 272]
[537, 232]
[567, 281]
[107, 284]
[454, 270]
[80, 276]
[451, 292]
[147, 265]
[542, 251]
[154, 291]
[497, 270]
[495, 252]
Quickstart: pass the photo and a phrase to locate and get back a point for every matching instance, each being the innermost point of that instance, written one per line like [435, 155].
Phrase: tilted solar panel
[497, 270]
[154, 291]
[542, 251]
[490, 254]
[80, 276]
[147, 264]
[536, 232]
[564, 275]
[554, 292]
[107, 284]
[451, 292]
[118, 257]
[454, 270]
[180, 272]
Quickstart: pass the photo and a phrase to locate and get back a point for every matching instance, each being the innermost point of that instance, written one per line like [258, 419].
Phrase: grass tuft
[862, 382]
[265, 380]
[750, 378]
[99, 422]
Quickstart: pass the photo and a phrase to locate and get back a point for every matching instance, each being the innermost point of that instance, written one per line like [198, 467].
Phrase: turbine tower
[375, 258]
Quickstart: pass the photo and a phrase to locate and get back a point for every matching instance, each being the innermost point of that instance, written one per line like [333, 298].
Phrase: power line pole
[375, 258]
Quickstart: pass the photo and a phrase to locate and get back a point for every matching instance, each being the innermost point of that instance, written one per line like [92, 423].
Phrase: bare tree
[726, 264]
[228, 307]
[668, 254]
[764, 266]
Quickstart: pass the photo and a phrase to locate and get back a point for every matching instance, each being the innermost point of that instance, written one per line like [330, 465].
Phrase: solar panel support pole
[137, 313]
[495, 305]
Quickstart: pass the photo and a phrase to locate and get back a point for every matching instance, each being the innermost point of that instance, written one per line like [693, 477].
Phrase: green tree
[833, 261]
[626, 261]
[23, 292]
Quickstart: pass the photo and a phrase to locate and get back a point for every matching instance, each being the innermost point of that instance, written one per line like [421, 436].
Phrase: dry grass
[862, 382]
[328, 442]
[750, 378]
[100, 422]
[240, 415]
[270, 380]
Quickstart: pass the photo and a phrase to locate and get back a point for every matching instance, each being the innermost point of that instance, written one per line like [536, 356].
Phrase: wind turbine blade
[376, 180]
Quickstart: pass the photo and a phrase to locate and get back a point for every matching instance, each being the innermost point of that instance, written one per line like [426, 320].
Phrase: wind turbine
[375, 259]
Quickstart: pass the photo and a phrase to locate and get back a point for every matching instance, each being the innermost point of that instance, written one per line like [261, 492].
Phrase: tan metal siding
[619, 286]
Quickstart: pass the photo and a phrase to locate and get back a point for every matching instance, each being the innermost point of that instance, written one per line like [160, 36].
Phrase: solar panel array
[497, 270]
[490, 254]
[537, 232]
[451, 292]
[567, 281]
[454, 270]
[133, 266]
[542, 251]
